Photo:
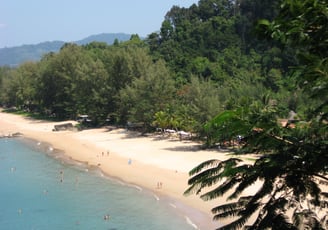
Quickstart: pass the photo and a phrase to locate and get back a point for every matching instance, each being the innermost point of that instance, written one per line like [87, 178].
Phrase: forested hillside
[14, 56]
[220, 69]
[205, 59]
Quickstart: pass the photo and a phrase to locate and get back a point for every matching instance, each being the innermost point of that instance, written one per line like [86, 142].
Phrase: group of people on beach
[103, 154]
[159, 185]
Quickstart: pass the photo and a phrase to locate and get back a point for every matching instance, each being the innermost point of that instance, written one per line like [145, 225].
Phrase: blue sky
[35, 21]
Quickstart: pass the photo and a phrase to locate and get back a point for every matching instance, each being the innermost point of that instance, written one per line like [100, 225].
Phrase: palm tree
[292, 163]
[290, 166]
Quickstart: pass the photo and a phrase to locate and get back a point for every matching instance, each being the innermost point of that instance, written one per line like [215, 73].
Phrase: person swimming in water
[106, 217]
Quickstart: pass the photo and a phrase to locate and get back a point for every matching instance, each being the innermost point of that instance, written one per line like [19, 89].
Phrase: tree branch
[321, 176]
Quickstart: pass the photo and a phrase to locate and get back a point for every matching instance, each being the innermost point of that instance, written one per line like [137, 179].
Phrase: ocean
[41, 189]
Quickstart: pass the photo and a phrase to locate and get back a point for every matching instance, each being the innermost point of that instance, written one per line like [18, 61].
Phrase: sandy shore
[155, 163]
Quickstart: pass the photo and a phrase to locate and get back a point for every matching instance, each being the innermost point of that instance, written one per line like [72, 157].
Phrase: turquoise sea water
[41, 190]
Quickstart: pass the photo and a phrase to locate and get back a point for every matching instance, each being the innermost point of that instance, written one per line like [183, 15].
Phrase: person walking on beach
[61, 176]
[159, 185]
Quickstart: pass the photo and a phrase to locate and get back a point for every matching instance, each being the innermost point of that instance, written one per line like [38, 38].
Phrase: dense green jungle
[219, 69]
[206, 59]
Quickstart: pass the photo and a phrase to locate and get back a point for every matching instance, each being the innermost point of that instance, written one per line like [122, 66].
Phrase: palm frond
[249, 208]
[222, 118]
[297, 217]
[276, 222]
[231, 206]
[308, 218]
[246, 181]
[207, 174]
[235, 225]
[204, 175]
[244, 214]
[233, 170]
[235, 209]
[220, 190]
[269, 212]
[228, 213]
[192, 189]
[204, 165]
[324, 194]
[266, 189]
[203, 180]
[315, 192]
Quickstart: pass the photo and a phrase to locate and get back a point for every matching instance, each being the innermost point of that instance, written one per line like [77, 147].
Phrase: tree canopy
[208, 51]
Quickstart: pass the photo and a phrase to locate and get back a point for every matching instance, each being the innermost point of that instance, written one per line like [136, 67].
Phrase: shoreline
[158, 165]
[46, 148]
[185, 212]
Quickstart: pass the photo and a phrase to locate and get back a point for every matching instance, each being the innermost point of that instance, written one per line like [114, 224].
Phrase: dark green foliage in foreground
[292, 160]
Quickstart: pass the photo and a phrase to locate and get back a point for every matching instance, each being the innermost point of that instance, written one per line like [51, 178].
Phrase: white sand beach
[155, 163]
